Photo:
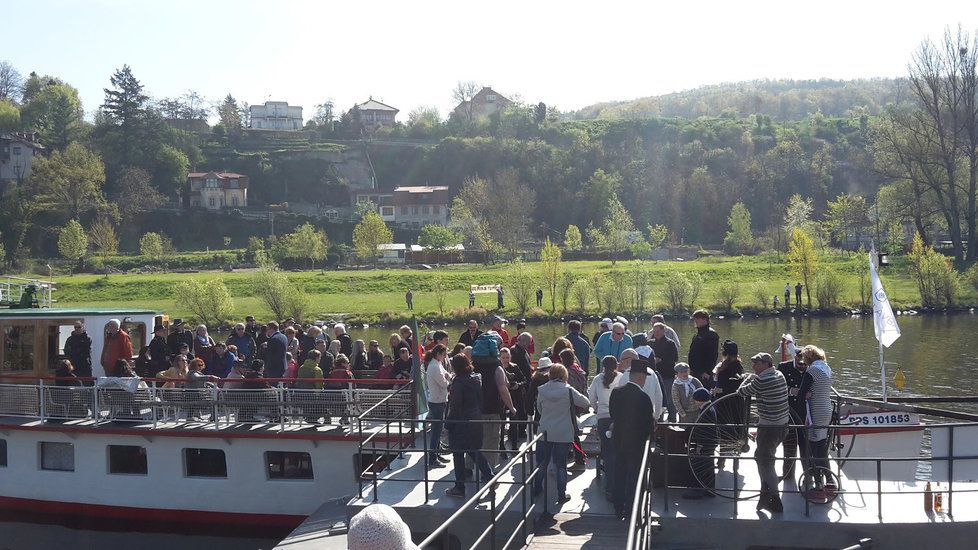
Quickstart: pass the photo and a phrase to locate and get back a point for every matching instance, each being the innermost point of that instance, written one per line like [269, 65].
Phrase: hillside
[779, 99]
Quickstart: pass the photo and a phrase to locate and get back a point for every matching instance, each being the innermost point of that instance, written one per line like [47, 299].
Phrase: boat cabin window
[288, 465]
[204, 463]
[127, 459]
[59, 457]
[18, 348]
[3, 453]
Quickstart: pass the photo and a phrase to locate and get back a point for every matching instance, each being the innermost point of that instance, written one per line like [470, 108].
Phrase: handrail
[490, 486]
[391, 381]
[641, 502]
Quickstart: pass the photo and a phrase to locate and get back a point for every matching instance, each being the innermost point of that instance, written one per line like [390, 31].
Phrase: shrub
[282, 298]
[759, 291]
[581, 291]
[828, 288]
[466, 313]
[210, 301]
[728, 294]
[937, 281]
[677, 291]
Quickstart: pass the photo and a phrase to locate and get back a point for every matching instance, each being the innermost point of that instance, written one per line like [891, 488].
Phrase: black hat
[701, 394]
[250, 318]
[177, 322]
[730, 347]
[642, 366]
[158, 328]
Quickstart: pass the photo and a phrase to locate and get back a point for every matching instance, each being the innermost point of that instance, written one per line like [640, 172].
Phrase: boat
[131, 455]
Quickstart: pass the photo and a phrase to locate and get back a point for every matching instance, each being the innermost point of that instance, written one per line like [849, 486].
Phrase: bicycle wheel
[721, 433]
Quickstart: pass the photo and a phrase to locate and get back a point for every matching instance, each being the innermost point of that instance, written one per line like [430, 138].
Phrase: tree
[72, 241]
[564, 289]
[936, 279]
[307, 243]
[613, 234]
[230, 116]
[324, 114]
[496, 209]
[70, 181]
[846, 218]
[803, 260]
[581, 291]
[151, 245]
[553, 269]
[657, 235]
[369, 234]
[797, 214]
[11, 83]
[103, 238]
[438, 237]
[134, 194]
[463, 94]
[572, 238]
[55, 112]
[520, 285]
[740, 239]
[363, 208]
[540, 113]
[423, 121]
[9, 116]
[472, 229]
[125, 108]
[279, 295]
[209, 301]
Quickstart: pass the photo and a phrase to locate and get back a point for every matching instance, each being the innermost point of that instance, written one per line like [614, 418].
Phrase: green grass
[378, 295]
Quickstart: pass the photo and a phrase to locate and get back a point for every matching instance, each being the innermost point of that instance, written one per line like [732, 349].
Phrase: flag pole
[882, 372]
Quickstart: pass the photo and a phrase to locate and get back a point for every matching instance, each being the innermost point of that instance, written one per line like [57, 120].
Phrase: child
[293, 368]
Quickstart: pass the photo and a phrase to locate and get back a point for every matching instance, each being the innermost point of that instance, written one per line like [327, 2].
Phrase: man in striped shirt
[769, 389]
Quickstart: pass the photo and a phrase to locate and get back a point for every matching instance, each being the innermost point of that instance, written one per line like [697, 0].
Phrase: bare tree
[11, 82]
[501, 208]
[463, 94]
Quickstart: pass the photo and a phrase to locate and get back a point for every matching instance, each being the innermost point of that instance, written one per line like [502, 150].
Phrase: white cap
[606, 321]
[544, 363]
[644, 352]
[378, 527]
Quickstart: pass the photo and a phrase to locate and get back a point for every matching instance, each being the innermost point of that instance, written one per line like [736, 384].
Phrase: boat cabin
[34, 339]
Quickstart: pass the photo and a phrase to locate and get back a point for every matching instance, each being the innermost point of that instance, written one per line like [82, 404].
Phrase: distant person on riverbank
[613, 342]
[582, 348]
[787, 295]
[539, 297]
[500, 304]
[798, 288]
[670, 332]
[770, 392]
[775, 301]
[471, 299]
[473, 332]
[409, 298]
[78, 349]
[703, 349]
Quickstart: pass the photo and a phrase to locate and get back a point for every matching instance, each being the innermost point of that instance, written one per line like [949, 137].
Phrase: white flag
[887, 330]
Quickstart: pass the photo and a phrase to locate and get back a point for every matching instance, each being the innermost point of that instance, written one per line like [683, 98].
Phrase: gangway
[22, 293]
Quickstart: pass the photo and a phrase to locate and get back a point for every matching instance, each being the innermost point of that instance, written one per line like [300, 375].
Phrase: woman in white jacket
[599, 392]
[438, 379]
[555, 407]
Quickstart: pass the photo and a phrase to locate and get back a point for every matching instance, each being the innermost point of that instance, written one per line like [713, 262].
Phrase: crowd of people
[487, 388]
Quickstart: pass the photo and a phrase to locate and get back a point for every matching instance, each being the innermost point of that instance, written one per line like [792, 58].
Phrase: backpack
[485, 346]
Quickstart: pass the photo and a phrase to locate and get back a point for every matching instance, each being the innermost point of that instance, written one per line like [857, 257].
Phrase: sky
[412, 53]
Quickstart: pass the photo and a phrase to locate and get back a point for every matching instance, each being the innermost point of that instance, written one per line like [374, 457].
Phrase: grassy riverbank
[378, 295]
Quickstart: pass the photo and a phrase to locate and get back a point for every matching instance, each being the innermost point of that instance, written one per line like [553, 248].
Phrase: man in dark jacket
[159, 351]
[633, 421]
[244, 341]
[795, 439]
[666, 357]
[180, 334]
[468, 337]
[78, 349]
[346, 342]
[582, 348]
[275, 349]
[703, 349]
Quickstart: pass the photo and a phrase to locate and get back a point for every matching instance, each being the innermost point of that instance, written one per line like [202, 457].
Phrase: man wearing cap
[612, 343]
[159, 351]
[703, 349]
[497, 325]
[244, 341]
[651, 386]
[770, 391]
[633, 421]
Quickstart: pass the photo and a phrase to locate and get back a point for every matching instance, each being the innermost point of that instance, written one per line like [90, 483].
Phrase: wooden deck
[568, 531]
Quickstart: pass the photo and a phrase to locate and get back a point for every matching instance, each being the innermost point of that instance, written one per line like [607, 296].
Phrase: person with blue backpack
[497, 402]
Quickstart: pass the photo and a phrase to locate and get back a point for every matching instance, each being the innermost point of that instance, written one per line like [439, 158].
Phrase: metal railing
[149, 402]
[642, 525]
[523, 529]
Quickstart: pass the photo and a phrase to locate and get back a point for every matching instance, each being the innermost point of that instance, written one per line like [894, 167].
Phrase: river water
[934, 353]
